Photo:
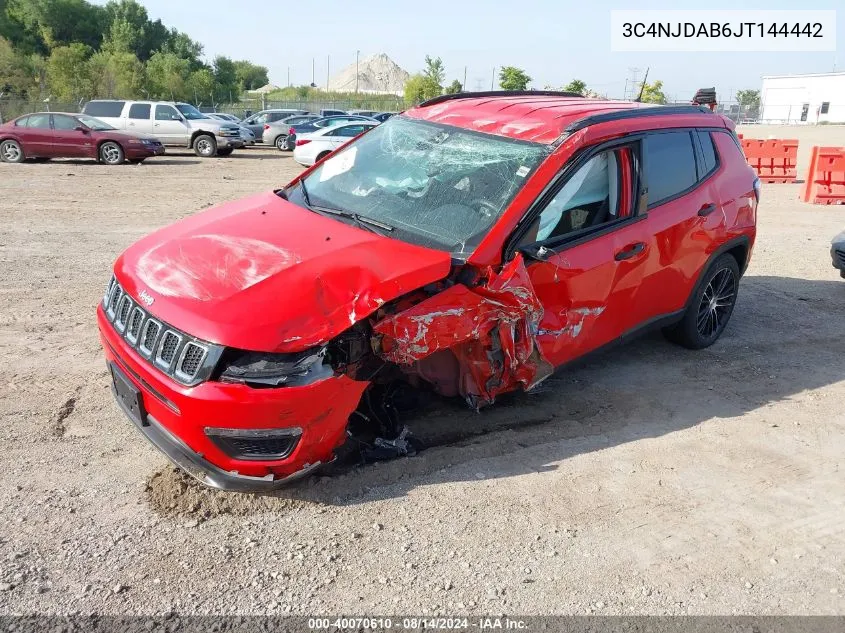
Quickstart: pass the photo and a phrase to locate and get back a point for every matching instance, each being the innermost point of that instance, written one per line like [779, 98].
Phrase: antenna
[642, 87]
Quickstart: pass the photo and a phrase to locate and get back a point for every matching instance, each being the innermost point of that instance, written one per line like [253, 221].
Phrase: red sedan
[45, 135]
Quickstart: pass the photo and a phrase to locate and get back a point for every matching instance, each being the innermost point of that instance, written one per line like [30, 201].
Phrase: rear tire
[281, 143]
[225, 151]
[205, 146]
[321, 156]
[11, 152]
[711, 306]
[111, 153]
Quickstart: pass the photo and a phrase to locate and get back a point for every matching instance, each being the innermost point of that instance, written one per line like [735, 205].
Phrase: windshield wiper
[361, 220]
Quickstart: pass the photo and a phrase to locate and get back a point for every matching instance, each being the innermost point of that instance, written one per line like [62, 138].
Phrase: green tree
[167, 74]
[419, 87]
[225, 78]
[250, 76]
[653, 92]
[183, 47]
[576, 85]
[200, 86]
[117, 75]
[749, 98]
[513, 78]
[16, 73]
[60, 22]
[453, 88]
[434, 70]
[130, 27]
[69, 74]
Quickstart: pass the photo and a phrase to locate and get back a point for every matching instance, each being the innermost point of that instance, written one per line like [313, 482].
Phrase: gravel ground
[651, 480]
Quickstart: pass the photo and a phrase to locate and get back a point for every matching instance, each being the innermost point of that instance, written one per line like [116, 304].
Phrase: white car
[315, 146]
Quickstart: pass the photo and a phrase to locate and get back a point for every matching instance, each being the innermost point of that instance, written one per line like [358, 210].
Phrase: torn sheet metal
[490, 329]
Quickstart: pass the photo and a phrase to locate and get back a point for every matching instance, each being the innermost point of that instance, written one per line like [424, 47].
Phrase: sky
[554, 41]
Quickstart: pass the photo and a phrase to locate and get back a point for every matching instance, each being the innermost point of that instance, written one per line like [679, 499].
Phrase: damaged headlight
[276, 370]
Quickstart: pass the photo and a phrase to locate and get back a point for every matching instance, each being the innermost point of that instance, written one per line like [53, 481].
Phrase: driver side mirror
[81, 128]
[176, 117]
[538, 252]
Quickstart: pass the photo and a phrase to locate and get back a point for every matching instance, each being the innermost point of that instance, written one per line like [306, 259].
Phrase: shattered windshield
[436, 186]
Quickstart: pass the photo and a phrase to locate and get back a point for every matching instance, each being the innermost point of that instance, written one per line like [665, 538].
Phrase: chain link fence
[13, 108]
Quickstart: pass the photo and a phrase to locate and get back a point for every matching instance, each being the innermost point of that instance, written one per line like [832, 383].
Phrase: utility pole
[357, 53]
[635, 73]
[328, 65]
[288, 76]
[493, 79]
[464, 85]
[313, 71]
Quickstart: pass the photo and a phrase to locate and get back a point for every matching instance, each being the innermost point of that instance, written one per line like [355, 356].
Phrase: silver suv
[173, 123]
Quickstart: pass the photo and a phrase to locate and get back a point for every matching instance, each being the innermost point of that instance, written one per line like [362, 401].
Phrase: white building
[803, 98]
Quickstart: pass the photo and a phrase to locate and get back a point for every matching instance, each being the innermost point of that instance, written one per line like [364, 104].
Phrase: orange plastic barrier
[825, 182]
[774, 160]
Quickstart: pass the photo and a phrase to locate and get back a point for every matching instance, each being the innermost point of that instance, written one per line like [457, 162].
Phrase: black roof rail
[499, 93]
[633, 113]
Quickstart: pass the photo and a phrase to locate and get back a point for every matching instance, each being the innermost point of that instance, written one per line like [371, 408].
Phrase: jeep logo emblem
[146, 298]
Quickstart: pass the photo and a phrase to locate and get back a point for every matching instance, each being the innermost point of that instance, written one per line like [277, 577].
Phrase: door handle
[706, 210]
[629, 251]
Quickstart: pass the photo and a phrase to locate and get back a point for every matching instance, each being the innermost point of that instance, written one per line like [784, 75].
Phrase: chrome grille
[167, 348]
[177, 354]
[135, 321]
[151, 330]
[192, 357]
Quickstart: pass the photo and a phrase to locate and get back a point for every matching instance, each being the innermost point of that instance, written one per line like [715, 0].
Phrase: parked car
[383, 116]
[45, 135]
[331, 112]
[472, 245]
[256, 122]
[276, 133]
[246, 134]
[317, 124]
[174, 124]
[225, 116]
[369, 113]
[837, 253]
[314, 147]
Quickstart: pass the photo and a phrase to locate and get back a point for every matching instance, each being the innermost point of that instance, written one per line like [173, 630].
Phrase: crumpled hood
[267, 275]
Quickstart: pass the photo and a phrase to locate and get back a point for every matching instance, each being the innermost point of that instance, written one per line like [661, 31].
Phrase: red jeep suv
[469, 246]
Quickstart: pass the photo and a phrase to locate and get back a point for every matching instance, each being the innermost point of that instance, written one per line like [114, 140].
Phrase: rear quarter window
[139, 111]
[670, 161]
[708, 152]
[104, 108]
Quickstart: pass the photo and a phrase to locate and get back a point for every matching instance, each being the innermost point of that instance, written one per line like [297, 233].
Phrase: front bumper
[175, 419]
[143, 151]
[229, 141]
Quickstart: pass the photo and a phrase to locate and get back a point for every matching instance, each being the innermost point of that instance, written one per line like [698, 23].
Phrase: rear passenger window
[708, 151]
[670, 161]
[139, 111]
[104, 108]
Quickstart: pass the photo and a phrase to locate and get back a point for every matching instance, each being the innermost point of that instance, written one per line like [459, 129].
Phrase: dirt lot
[652, 480]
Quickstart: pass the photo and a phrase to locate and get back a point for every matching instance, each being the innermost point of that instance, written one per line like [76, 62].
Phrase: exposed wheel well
[322, 155]
[199, 133]
[740, 254]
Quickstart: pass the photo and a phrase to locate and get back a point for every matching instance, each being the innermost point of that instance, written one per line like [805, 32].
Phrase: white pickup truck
[173, 123]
